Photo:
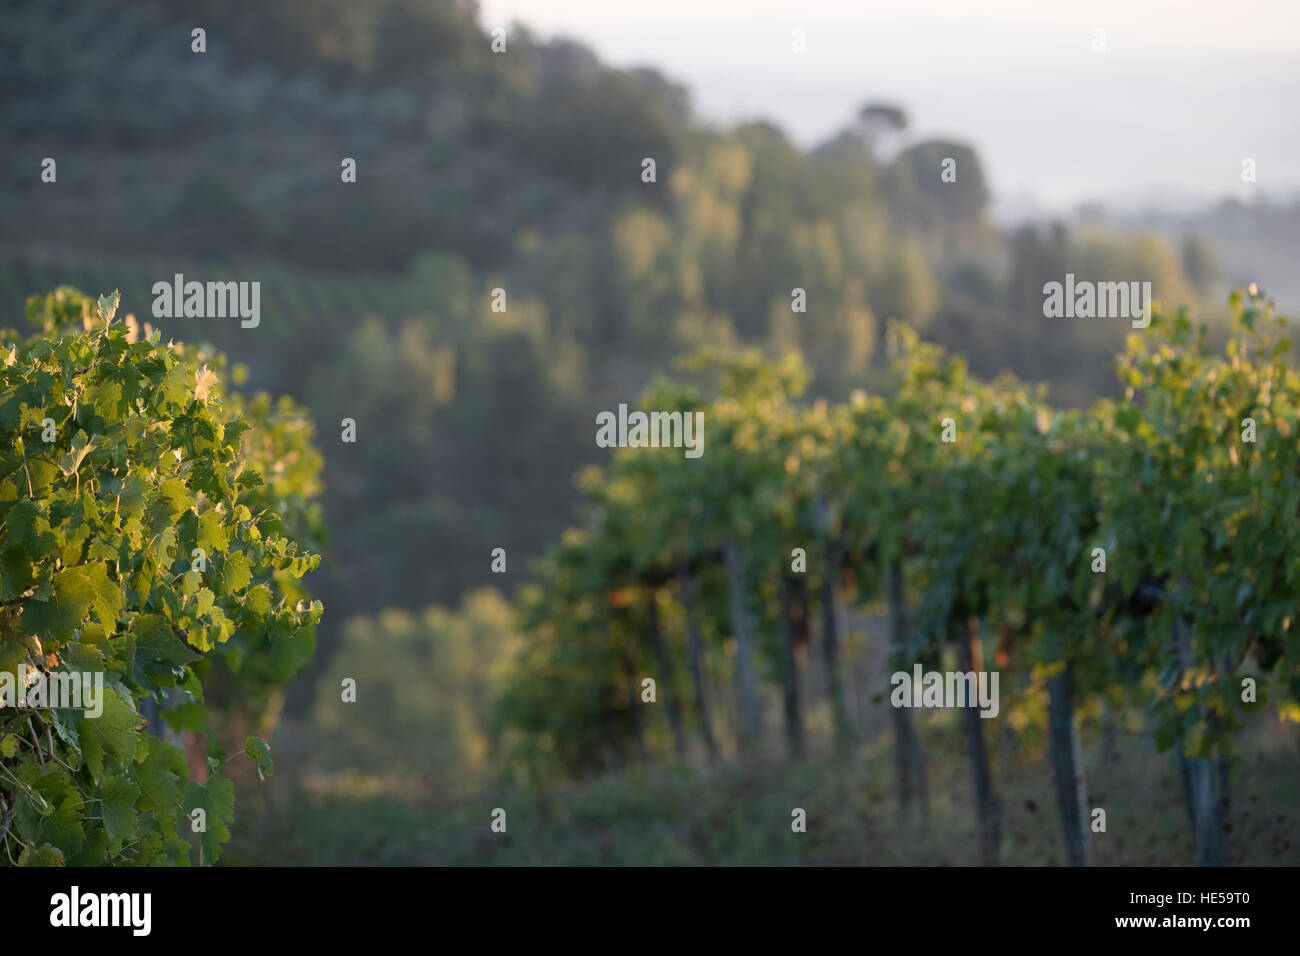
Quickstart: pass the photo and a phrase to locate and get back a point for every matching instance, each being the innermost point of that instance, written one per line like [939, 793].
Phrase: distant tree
[921, 198]
[1035, 260]
[906, 290]
[1200, 265]
[878, 122]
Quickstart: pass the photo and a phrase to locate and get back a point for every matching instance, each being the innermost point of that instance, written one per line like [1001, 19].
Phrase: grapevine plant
[137, 540]
[1136, 557]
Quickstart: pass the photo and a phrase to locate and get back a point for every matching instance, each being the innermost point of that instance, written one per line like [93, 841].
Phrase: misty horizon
[1044, 113]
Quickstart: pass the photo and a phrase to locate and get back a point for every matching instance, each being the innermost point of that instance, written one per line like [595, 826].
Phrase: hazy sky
[1183, 92]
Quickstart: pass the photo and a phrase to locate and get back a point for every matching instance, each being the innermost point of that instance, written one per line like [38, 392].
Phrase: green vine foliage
[142, 542]
[1192, 507]
[1209, 509]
